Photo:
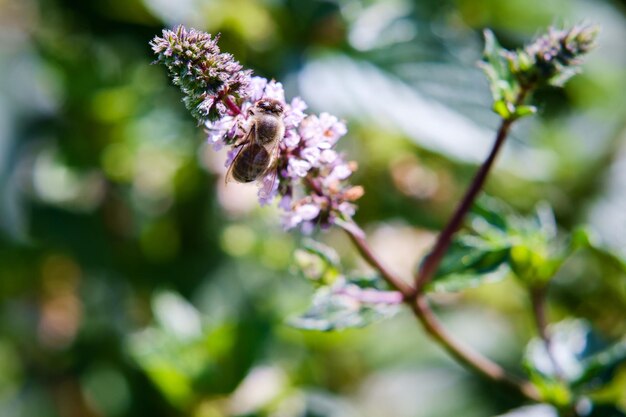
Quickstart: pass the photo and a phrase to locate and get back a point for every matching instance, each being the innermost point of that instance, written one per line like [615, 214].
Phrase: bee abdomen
[250, 163]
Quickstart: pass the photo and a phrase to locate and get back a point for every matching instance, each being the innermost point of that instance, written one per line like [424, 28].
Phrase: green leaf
[537, 410]
[601, 366]
[562, 77]
[502, 108]
[523, 111]
[347, 304]
[326, 253]
[492, 211]
[533, 261]
[584, 238]
[537, 251]
[178, 351]
[502, 84]
[583, 359]
[368, 281]
[318, 262]
[607, 410]
[494, 59]
[470, 261]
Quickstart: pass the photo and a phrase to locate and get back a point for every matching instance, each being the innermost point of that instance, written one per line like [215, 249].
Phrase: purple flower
[274, 90]
[340, 172]
[291, 139]
[305, 212]
[268, 190]
[257, 88]
[220, 129]
[295, 113]
[328, 156]
[347, 209]
[230, 156]
[308, 175]
[203, 73]
[312, 155]
[297, 168]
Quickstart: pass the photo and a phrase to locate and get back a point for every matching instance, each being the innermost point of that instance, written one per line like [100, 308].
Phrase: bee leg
[246, 138]
[240, 141]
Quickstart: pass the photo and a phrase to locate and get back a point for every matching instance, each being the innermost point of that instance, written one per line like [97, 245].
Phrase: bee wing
[228, 175]
[269, 180]
[242, 143]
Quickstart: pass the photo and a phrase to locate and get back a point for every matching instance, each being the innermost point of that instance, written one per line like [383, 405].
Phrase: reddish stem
[538, 301]
[358, 238]
[419, 304]
[417, 300]
[430, 265]
[231, 105]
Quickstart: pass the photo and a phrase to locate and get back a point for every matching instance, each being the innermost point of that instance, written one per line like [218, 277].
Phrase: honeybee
[259, 146]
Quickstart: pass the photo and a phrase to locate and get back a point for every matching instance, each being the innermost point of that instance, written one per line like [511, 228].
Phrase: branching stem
[430, 265]
[358, 238]
[419, 304]
[416, 299]
[466, 356]
[538, 301]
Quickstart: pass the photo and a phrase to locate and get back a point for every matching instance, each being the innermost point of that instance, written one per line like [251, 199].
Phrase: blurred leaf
[601, 366]
[606, 410]
[610, 399]
[348, 304]
[497, 237]
[537, 251]
[469, 261]
[491, 210]
[371, 281]
[503, 87]
[583, 360]
[523, 111]
[326, 253]
[539, 410]
[584, 238]
[317, 262]
[178, 353]
[503, 109]
[570, 340]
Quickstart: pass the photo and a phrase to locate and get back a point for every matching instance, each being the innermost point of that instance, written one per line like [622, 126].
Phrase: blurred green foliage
[133, 283]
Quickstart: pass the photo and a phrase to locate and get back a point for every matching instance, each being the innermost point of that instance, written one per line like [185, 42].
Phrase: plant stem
[418, 303]
[538, 301]
[432, 261]
[358, 238]
[417, 300]
[231, 105]
[466, 356]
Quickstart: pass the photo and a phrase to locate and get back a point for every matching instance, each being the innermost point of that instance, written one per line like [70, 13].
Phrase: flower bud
[204, 74]
[554, 57]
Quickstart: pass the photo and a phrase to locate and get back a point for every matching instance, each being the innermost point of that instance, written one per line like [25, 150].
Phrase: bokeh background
[133, 283]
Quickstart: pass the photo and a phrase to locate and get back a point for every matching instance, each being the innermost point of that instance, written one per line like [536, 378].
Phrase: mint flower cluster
[204, 74]
[308, 176]
[553, 58]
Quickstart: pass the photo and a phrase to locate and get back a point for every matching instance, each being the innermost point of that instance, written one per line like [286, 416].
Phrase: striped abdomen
[251, 163]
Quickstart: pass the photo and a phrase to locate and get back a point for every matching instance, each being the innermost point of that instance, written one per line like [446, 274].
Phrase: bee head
[269, 106]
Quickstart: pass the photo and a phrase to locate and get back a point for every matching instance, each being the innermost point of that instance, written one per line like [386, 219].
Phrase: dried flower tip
[553, 58]
[354, 193]
[204, 74]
